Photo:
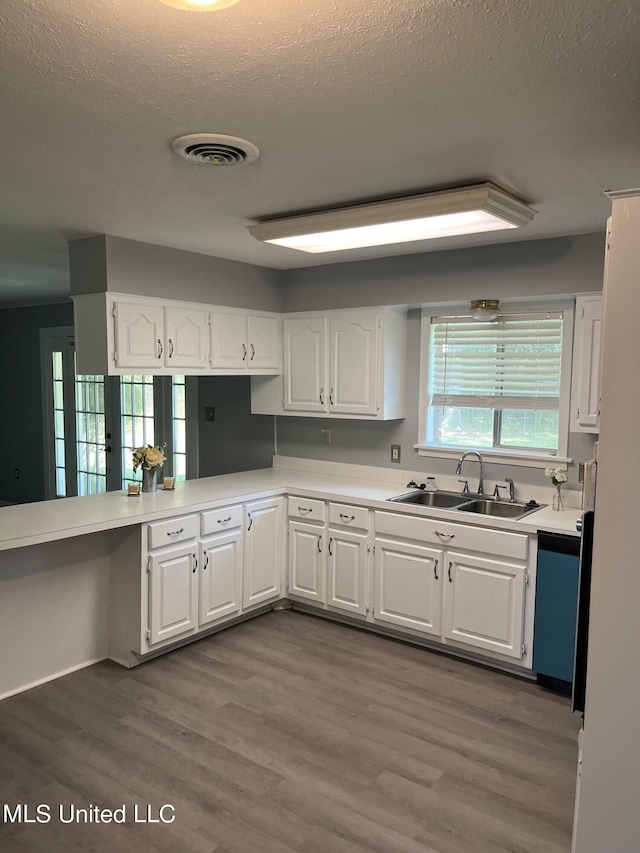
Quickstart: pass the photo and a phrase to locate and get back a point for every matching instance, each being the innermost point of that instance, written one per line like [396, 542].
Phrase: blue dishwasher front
[556, 610]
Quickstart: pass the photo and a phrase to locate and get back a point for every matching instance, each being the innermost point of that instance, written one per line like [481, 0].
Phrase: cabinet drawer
[447, 534]
[310, 510]
[349, 516]
[218, 520]
[162, 533]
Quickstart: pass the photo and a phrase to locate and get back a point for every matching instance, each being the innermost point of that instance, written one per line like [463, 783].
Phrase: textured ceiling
[347, 101]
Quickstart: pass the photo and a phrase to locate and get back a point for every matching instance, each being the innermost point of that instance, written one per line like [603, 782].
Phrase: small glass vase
[558, 503]
[149, 479]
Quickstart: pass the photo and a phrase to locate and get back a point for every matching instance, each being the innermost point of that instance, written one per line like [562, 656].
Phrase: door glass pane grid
[179, 421]
[90, 435]
[58, 425]
[136, 416]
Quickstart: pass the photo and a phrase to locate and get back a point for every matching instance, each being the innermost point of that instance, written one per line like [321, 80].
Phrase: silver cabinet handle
[322, 396]
[319, 543]
[195, 563]
[445, 535]
[160, 348]
[170, 348]
[348, 517]
[305, 509]
[244, 352]
[253, 352]
[435, 569]
[331, 396]
[331, 547]
[206, 561]
[449, 573]
[250, 522]
[224, 520]
[175, 532]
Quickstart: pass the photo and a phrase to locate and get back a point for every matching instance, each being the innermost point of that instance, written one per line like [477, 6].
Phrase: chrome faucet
[459, 468]
[512, 489]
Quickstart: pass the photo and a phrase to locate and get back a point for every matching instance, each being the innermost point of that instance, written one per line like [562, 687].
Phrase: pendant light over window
[199, 5]
[484, 309]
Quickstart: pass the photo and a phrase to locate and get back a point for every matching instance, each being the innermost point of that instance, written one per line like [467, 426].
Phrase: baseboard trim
[53, 677]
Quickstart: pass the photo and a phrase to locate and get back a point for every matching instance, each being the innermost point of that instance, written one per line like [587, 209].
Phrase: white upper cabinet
[187, 337]
[353, 361]
[342, 364]
[263, 342]
[585, 384]
[228, 341]
[139, 335]
[304, 364]
[117, 334]
[241, 342]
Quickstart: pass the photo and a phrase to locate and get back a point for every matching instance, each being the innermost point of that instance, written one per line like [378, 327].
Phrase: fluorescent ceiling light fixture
[468, 210]
[199, 5]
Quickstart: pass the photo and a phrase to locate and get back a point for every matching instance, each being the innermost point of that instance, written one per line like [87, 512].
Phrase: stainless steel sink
[498, 509]
[464, 503]
[443, 500]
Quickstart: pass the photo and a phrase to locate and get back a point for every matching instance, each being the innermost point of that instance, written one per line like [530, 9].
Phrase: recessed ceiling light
[468, 210]
[200, 5]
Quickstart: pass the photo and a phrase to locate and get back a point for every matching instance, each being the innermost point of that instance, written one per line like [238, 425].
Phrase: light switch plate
[395, 453]
[209, 413]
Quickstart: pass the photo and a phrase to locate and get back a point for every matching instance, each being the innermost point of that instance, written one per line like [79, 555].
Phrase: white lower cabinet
[408, 586]
[306, 561]
[484, 603]
[220, 576]
[173, 593]
[476, 599]
[264, 557]
[347, 555]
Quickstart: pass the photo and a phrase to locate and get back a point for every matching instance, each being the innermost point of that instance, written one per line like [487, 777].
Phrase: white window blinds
[511, 363]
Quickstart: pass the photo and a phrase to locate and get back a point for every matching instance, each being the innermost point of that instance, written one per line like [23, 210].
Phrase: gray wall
[236, 440]
[525, 269]
[514, 270]
[127, 266]
[21, 437]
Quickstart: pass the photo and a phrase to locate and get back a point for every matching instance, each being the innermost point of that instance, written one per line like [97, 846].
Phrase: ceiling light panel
[199, 5]
[469, 210]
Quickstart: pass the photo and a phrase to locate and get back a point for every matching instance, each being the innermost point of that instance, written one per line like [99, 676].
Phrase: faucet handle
[496, 492]
[465, 490]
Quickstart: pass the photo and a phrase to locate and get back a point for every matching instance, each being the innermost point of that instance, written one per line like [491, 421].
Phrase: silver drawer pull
[175, 532]
[445, 535]
[348, 517]
[224, 520]
[305, 509]
[435, 569]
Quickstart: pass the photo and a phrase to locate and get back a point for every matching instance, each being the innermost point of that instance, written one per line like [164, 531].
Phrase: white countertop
[46, 521]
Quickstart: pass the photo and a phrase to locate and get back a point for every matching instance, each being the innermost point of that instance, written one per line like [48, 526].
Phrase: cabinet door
[484, 603]
[305, 365]
[353, 359]
[408, 582]
[263, 340]
[229, 341]
[347, 566]
[263, 560]
[306, 561]
[173, 593]
[139, 335]
[220, 576]
[187, 341]
[586, 369]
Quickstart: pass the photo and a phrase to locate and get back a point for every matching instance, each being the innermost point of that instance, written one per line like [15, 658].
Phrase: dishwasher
[554, 634]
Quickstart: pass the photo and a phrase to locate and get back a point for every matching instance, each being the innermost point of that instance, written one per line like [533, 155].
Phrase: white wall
[608, 815]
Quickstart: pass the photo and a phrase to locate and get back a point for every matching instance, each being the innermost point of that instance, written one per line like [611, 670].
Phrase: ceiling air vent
[215, 149]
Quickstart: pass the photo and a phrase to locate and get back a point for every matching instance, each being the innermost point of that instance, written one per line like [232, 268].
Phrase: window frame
[527, 457]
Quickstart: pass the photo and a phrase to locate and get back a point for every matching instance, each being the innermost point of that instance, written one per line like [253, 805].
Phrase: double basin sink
[465, 503]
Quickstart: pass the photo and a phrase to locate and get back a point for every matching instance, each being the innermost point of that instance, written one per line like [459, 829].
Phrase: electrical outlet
[326, 436]
[17, 473]
[209, 413]
[395, 453]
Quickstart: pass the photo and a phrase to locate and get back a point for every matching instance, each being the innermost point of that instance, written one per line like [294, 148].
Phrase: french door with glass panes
[93, 423]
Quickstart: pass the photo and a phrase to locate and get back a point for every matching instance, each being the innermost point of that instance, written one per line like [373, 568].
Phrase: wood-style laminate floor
[289, 733]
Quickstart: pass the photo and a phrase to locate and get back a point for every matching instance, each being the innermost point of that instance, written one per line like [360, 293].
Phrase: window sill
[526, 459]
